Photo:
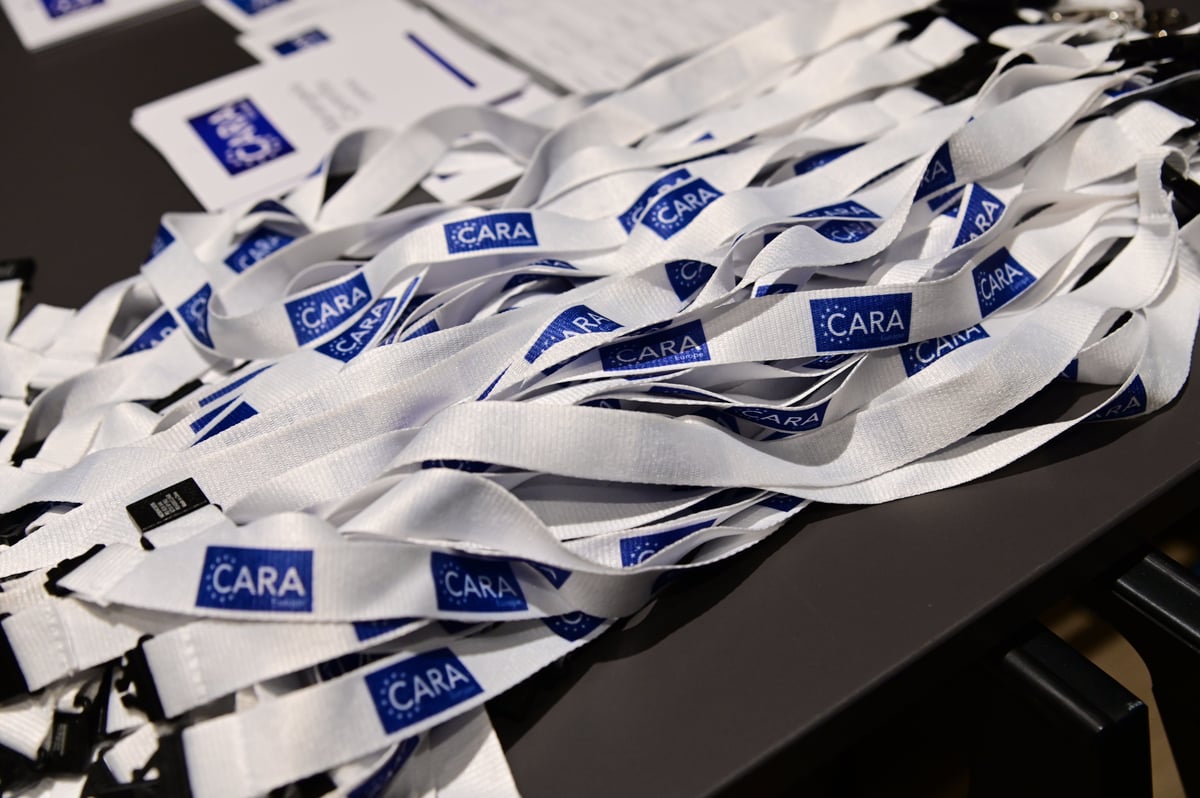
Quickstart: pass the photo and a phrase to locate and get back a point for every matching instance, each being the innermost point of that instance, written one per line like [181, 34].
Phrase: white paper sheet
[588, 47]
[257, 132]
[41, 23]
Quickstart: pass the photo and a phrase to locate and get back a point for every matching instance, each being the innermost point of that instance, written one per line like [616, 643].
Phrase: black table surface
[767, 663]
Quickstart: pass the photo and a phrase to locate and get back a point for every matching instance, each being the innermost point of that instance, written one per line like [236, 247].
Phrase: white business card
[260, 131]
[41, 23]
[248, 15]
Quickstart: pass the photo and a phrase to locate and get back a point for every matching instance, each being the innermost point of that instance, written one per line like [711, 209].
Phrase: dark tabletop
[771, 661]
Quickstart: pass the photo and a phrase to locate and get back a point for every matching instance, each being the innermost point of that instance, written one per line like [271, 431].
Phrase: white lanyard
[533, 413]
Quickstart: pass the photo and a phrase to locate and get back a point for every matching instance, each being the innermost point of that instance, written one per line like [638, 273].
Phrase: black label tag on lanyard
[167, 505]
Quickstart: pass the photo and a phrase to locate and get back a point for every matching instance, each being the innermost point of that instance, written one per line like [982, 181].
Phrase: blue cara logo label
[861, 322]
[999, 279]
[153, 335]
[784, 419]
[842, 210]
[194, 312]
[367, 630]
[420, 687]
[925, 353]
[266, 580]
[573, 626]
[302, 41]
[821, 158]
[687, 276]
[470, 584]
[239, 136]
[318, 313]
[636, 550]
[983, 210]
[59, 8]
[252, 7]
[577, 320]
[678, 207]
[634, 212]
[494, 231]
[258, 245]
[938, 175]
[1130, 402]
[671, 347]
[162, 240]
[845, 231]
[354, 340]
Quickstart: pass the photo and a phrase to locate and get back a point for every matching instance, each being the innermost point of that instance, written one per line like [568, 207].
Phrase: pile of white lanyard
[291, 504]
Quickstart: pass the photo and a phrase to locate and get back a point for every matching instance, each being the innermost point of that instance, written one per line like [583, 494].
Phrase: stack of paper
[600, 47]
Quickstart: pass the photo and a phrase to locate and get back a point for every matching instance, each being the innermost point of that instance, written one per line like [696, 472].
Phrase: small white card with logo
[41, 23]
[364, 23]
[260, 131]
[259, 14]
[375, 24]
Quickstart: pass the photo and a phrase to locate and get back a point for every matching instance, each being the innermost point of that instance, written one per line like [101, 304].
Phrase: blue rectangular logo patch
[925, 353]
[60, 8]
[266, 580]
[300, 42]
[1130, 402]
[687, 276]
[983, 210]
[369, 630]
[638, 549]
[634, 212]
[153, 335]
[162, 240]
[420, 687]
[194, 312]
[472, 584]
[999, 279]
[256, 246]
[938, 175]
[783, 419]
[354, 340]
[861, 322]
[494, 231]
[240, 412]
[428, 327]
[239, 136]
[572, 626]
[577, 320]
[806, 165]
[845, 231]
[678, 207]
[671, 347]
[848, 209]
[782, 502]
[323, 311]
[252, 7]
[555, 576]
[774, 289]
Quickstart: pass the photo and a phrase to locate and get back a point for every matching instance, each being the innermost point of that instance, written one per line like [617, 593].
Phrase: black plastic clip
[12, 680]
[170, 780]
[16, 771]
[135, 674]
[74, 735]
[312, 787]
[14, 524]
[67, 566]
